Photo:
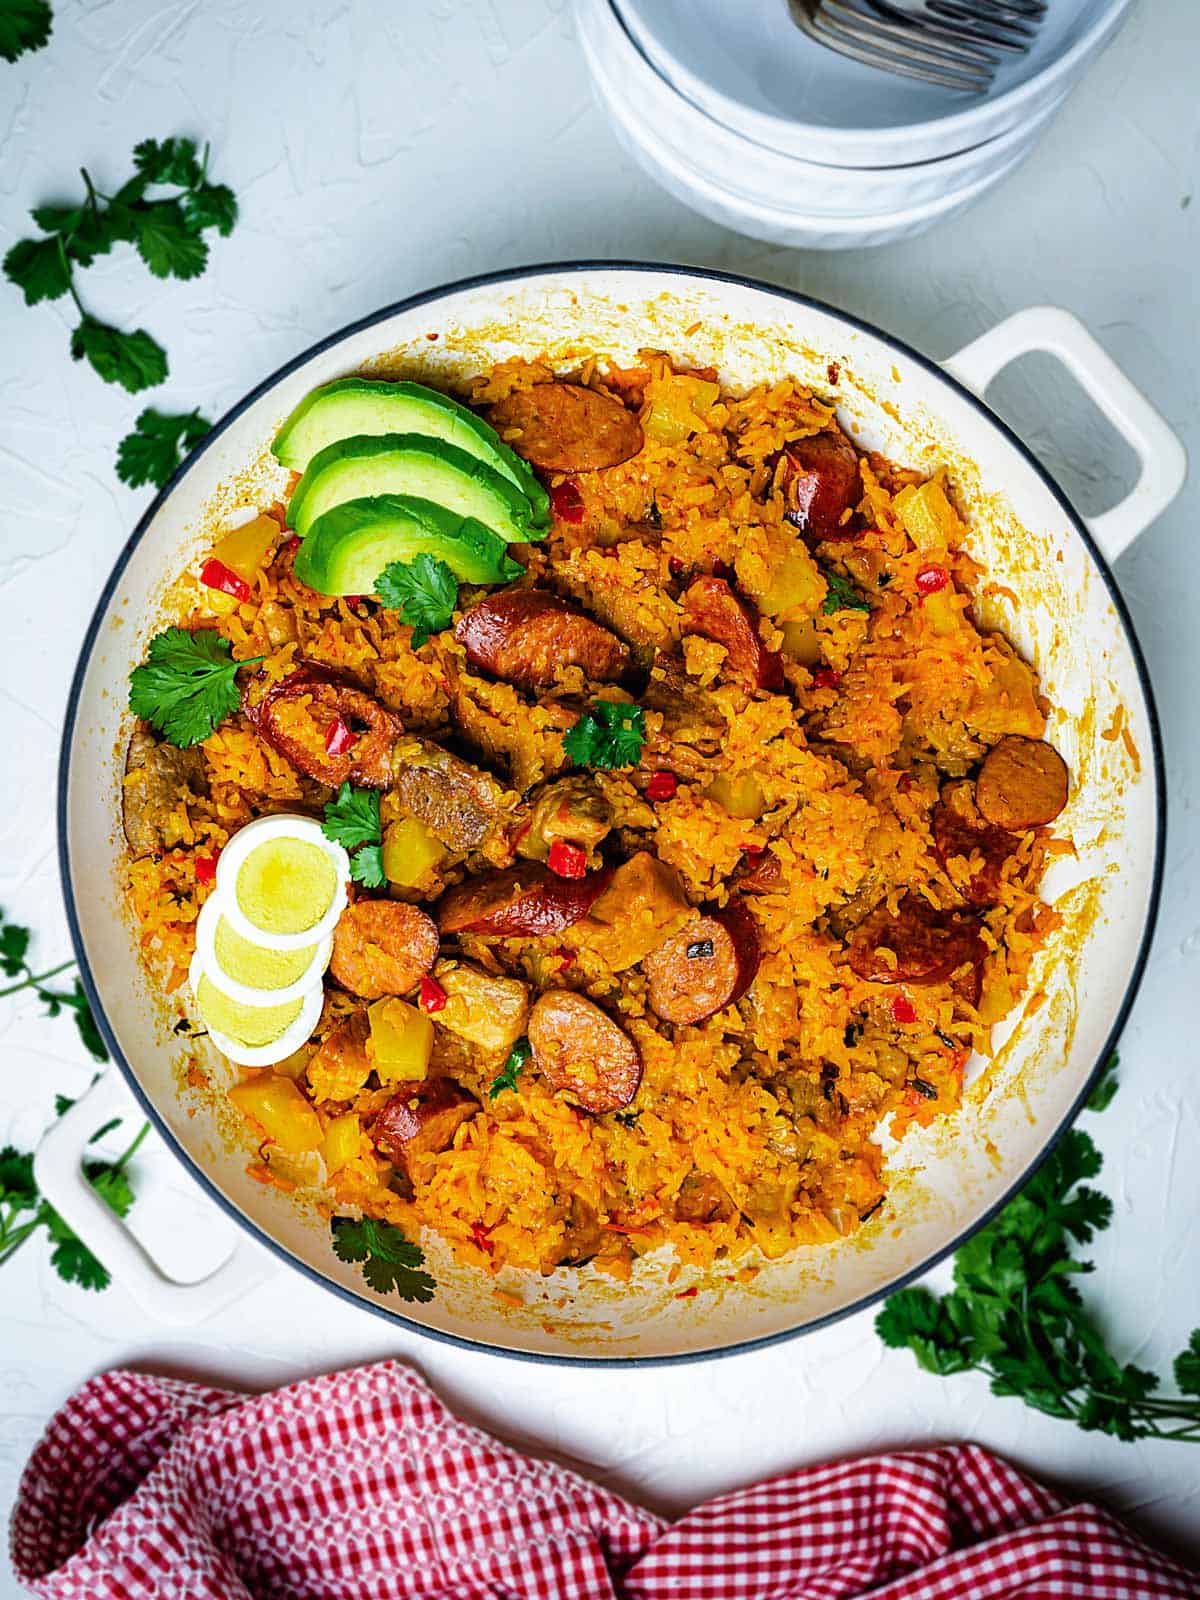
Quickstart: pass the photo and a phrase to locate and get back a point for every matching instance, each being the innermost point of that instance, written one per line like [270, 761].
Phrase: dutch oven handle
[1058, 333]
[58, 1170]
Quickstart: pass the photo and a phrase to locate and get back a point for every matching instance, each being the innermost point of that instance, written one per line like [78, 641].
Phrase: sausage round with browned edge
[580, 1049]
[299, 715]
[1023, 783]
[527, 637]
[713, 610]
[382, 947]
[927, 944]
[706, 966]
[823, 481]
[422, 1119]
[563, 427]
[525, 901]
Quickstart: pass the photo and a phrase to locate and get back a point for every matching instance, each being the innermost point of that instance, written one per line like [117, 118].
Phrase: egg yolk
[286, 885]
[249, 1025]
[254, 964]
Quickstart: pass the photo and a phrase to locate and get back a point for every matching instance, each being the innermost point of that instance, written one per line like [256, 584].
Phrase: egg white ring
[211, 912]
[260, 1055]
[287, 825]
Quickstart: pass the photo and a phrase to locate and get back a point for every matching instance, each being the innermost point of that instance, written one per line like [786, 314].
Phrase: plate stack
[746, 119]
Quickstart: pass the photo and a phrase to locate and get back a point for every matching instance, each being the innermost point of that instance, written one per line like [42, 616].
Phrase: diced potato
[1008, 704]
[740, 794]
[677, 406]
[795, 588]
[929, 519]
[486, 1010]
[341, 1144]
[282, 1112]
[245, 550]
[802, 642]
[411, 851]
[643, 904]
[941, 612]
[400, 1042]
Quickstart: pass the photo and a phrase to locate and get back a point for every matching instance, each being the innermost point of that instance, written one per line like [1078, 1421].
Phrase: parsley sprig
[390, 1263]
[841, 595]
[14, 951]
[424, 591]
[24, 25]
[166, 230]
[187, 684]
[1015, 1314]
[157, 444]
[608, 734]
[507, 1077]
[352, 820]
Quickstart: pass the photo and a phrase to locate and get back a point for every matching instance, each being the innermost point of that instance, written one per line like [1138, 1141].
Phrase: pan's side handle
[58, 1169]
[1160, 452]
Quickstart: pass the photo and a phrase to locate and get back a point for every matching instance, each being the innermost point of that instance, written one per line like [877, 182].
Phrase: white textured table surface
[378, 150]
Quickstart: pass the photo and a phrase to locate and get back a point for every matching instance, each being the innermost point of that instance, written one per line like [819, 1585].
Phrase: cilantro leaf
[24, 25]
[14, 946]
[423, 591]
[1187, 1365]
[608, 734]
[390, 1262]
[842, 595]
[211, 205]
[352, 818]
[16, 1176]
[39, 268]
[167, 242]
[134, 360]
[187, 685]
[366, 867]
[156, 446]
[170, 161]
[1105, 1087]
[507, 1077]
[71, 1258]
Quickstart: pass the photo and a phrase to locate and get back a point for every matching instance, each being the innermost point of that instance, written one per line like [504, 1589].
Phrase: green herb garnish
[390, 1263]
[352, 820]
[608, 734]
[187, 685]
[511, 1071]
[1015, 1315]
[424, 591]
[24, 25]
[156, 446]
[842, 595]
[14, 949]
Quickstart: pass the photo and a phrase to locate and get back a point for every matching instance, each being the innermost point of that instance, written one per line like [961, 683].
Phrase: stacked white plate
[749, 121]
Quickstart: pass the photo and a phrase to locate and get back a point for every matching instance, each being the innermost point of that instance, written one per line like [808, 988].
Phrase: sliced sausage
[463, 805]
[422, 1119]
[928, 944]
[159, 778]
[527, 637]
[713, 610]
[299, 716]
[580, 1049]
[568, 810]
[822, 480]
[483, 1009]
[382, 947]
[1023, 783]
[703, 968]
[563, 427]
[525, 901]
[958, 830]
[643, 903]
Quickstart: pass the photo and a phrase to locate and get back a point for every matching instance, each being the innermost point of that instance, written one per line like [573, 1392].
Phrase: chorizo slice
[527, 637]
[563, 427]
[580, 1049]
[463, 805]
[822, 480]
[382, 947]
[713, 610]
[422, 1119]
[958, 830]
[926, 944]
[1022, 783]
[706, 966]
[525, 901]
[159, 778]
[327, 727]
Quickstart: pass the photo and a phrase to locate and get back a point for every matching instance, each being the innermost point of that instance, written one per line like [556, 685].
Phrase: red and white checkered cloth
[363, 1485]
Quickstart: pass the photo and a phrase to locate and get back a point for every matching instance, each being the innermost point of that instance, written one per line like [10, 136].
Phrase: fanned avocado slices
[349, 545]
[365, 466]
[365, 407]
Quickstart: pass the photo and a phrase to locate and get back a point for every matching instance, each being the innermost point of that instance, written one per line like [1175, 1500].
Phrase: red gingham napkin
[362, 1486]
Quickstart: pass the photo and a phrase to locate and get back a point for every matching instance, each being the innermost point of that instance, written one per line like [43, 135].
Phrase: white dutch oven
[1047, 583]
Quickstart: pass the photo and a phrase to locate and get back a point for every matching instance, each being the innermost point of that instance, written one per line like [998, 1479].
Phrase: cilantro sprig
[507, 1077]
[187, 684]
[1015, 1315]
[24, 25]
[608, 734]
[166, 230]
[352, 820]
[424, 591]
[157, 444]
[390, 1264]
[14, 951]
[842, 595]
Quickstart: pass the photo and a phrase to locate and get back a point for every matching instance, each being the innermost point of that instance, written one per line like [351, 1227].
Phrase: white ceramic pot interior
[1042, 586]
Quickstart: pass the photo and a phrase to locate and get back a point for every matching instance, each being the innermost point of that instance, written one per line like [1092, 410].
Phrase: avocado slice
[410, 464]
[365, 406]
[349, 545]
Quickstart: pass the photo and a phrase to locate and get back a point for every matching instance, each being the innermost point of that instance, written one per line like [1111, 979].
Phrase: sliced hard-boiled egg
[254, 1035]
[248, 970]
[282, 882]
